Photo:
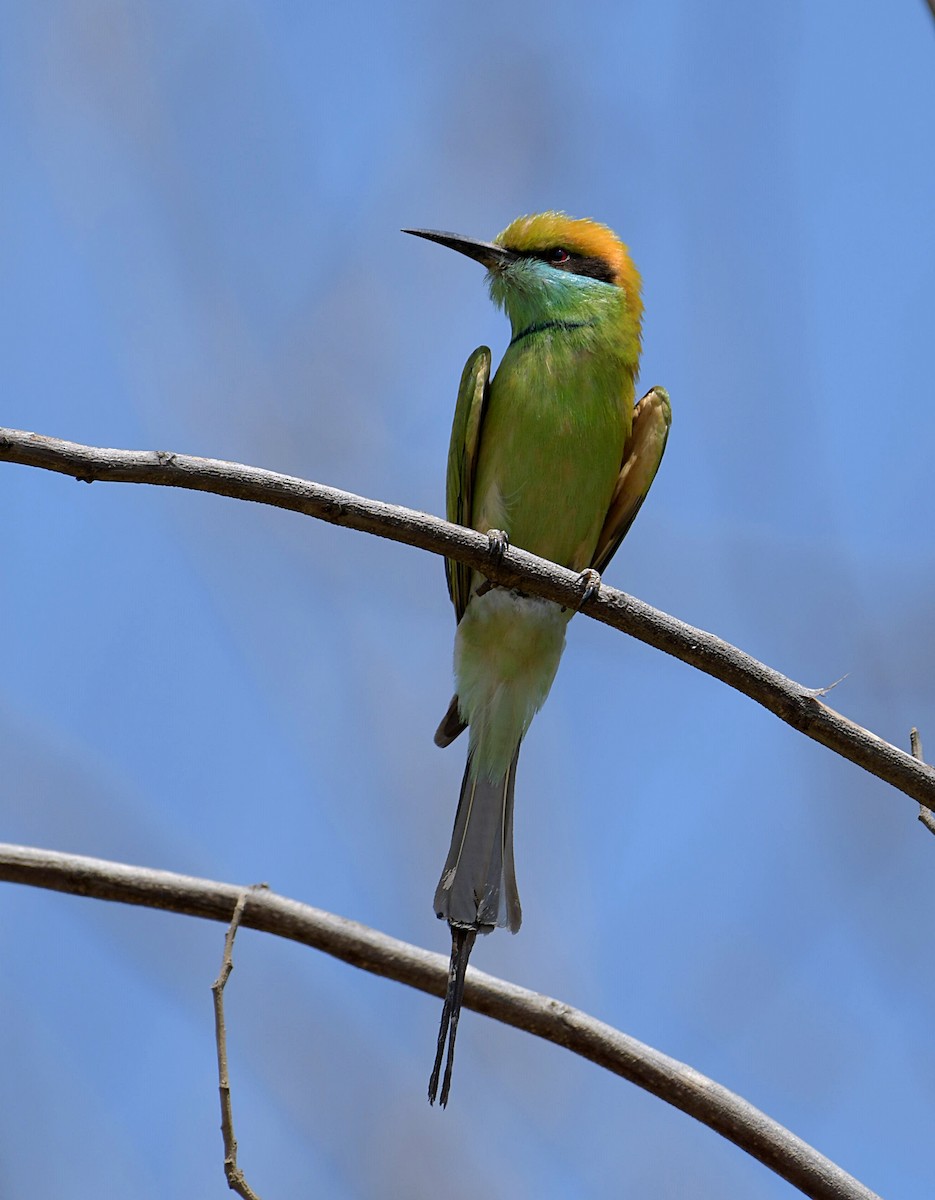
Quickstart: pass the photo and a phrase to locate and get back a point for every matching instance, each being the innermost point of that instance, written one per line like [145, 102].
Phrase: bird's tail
[477, 891]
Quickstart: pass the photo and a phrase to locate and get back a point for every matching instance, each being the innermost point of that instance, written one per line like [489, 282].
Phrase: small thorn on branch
[926, 816]
[823, 691]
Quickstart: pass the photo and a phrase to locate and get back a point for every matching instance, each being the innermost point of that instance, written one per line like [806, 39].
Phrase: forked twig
[236, 1180]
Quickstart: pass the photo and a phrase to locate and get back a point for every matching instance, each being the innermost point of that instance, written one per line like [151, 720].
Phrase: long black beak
[489, 254]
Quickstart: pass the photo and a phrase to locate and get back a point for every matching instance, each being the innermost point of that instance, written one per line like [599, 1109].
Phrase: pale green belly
[507, 651]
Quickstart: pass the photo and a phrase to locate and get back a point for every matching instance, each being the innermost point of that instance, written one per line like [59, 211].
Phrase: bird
[550, 455]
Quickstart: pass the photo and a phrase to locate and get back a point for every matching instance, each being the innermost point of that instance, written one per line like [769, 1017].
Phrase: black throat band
[544, 326]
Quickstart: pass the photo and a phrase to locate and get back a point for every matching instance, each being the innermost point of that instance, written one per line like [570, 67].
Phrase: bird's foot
[590, 581]
[499, 544]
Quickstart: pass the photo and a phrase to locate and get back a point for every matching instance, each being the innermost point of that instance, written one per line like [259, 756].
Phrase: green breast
[557, 420]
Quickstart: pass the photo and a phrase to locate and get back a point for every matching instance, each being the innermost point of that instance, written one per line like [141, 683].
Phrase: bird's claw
[499, 543]
[590, 581]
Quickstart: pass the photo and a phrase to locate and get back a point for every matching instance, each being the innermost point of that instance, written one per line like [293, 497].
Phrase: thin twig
[915, 741]
[236, 1180]
[672, 1081]
[798, 706]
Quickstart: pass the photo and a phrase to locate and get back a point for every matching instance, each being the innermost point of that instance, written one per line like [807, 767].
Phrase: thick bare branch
[672, 1081]
[798, 706]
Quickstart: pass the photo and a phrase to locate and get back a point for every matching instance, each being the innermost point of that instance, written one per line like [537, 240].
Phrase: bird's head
[551, 267]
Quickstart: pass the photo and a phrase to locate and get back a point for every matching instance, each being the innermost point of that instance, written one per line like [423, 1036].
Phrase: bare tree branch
[915, 742]
[798, 706]
[236, 1180]
[670, 1080]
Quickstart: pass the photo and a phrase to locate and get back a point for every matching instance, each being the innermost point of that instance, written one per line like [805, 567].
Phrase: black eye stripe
[591, 267]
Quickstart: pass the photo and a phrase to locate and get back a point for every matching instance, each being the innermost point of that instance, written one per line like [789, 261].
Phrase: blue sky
[200, 250]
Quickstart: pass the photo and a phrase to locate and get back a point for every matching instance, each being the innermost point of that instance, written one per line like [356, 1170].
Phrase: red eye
[559, 255]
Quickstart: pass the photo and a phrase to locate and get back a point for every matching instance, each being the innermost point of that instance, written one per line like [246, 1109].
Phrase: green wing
[641, 458]
[462, 464]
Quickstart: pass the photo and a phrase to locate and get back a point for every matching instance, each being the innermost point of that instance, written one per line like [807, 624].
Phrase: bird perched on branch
[550, 455]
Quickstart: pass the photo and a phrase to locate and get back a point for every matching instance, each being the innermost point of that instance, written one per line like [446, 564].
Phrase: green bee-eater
[550, 455]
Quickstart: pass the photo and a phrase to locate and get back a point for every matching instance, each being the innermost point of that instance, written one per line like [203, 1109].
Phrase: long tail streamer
[462, 943]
